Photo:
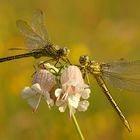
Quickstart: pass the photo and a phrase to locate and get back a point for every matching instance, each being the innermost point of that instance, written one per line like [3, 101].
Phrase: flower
[71, 91]
[42, 84]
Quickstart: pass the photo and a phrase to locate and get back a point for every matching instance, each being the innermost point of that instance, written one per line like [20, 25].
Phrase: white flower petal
[77, 95]
[62, 108]
[86, 93]
[46, 95]
[49, 101]
[59, 102]
[73, 101]
[83, 105]
[27, 92]
[34, 102]
[36, 87]
[58, 92]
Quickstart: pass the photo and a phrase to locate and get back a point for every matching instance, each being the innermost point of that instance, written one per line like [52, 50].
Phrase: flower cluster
[64, 87]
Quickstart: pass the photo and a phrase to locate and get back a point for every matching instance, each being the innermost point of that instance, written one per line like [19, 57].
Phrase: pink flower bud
[72, 74]
[45, 79]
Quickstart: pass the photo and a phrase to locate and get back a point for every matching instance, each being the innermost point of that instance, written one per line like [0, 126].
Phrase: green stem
[77, 127]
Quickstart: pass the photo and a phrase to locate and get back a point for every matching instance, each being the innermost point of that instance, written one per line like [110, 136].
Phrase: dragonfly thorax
[94, 68]
[37, 54]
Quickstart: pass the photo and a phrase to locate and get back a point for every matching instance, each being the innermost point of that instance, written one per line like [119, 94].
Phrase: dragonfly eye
[84, 59]
[64, 52]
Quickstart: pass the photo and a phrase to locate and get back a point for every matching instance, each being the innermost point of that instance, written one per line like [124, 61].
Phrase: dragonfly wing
[122, 82]
[38, 24]
[122, 67]
[26, 30]
[33, 44]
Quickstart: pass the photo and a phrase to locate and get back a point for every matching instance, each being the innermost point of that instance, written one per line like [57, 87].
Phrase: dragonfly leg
[59, 72]
[85, 75]
[66, 60]
[57, 61]
[41, 65]
[87, 78]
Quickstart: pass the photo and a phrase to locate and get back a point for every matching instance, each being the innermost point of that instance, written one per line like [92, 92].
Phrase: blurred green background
[105, 30]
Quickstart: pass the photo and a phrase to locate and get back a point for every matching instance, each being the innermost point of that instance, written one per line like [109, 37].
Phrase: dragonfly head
[64, 52]
[84, 59]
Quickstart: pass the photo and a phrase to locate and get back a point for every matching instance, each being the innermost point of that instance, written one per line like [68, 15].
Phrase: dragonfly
[121, 74]
[37, 41]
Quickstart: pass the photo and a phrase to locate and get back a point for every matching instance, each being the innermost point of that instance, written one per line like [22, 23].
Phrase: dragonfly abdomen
[102, 84]
[34, 54]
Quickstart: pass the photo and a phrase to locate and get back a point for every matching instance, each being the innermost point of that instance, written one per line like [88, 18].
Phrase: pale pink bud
[72, 74]
[45, 79]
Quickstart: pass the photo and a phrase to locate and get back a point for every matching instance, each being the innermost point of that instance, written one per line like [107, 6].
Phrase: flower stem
[77, 127]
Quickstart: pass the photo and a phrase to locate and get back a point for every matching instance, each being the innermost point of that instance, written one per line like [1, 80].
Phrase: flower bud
[72, 74]
[45, 79]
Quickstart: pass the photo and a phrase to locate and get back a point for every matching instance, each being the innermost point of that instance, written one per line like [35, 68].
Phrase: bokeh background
[106, 31]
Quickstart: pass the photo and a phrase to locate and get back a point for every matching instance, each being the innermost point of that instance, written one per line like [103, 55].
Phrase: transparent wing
[27, 30]
[123, 74]
[38, 24]
[31, 37]
[123, 67]
[33, 44]
[124, 83]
